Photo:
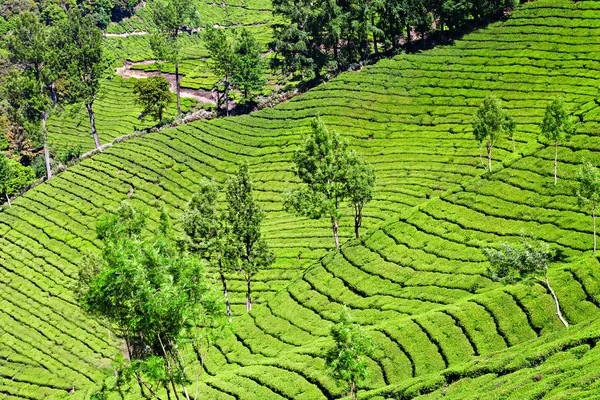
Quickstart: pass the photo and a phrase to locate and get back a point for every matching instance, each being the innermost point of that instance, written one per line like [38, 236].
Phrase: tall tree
[513, 264]
[491, 122]
[322, 166]
[6, 174]
[249, 68]
[588, 191]
[30, 51]
[360, 179]
[224, 61]
[86, 63]
[153, 296]
[347, 358]
[169, 17]
[248, 250]
[207, 231]
[557, 127]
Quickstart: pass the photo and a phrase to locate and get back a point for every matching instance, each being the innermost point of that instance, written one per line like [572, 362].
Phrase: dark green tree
[223, 59]
[153, 95]
[169, 17]
[155, 298]
[249, 69]
[490, 123]
[207, 231]
[513, 264]
[347, 359]
[32, 87]
[249, 251]
[322, 165]
[588, 191]
[557, 127]
[83, 58]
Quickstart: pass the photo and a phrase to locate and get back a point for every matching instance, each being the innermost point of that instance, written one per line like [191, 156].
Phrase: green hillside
[416, 281]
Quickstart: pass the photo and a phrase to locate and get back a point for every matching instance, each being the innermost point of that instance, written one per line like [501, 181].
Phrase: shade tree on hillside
[223, 59]
[207, 233]
[31, 89]
[588, 190]
[155, 298]
[236, 62]
[84, 61]
[14, 177]
[169, 18]
[346, 360]
[557, 127]
[153, 95]
[529, 261]
[330, 174]
[360, 179]
[248, 251]
[490, 123]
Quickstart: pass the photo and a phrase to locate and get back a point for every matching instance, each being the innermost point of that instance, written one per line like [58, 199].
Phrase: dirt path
[201, 96]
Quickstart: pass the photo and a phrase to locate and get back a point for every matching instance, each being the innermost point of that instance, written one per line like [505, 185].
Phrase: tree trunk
[555, 161]
[224, 282]
[357, 222]
[168, 391]
[408, 29]
[374, 37]
[560, 316]
[334, 226]
[481, 155]
[227, 97]
[46, 150]
[249, 293]
[594, 222]
[93, 125]
[174, 389]
[489, 150]
[178, 89]
[353, 390]
[8, 199]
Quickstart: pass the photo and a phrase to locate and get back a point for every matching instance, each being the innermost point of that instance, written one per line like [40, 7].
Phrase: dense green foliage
[416, 280]
[153, 296]
[153, 95]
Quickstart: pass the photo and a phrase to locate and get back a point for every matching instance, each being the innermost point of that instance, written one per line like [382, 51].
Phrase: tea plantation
[416, 280]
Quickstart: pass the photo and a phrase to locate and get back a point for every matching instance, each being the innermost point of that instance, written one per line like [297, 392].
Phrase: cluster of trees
[53, 61]
[319, 34]
[492, 121]
[237, 63]
[331, 173]
[153, 287]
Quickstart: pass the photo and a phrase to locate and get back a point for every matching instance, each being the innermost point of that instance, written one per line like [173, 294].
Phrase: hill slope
[417, 281]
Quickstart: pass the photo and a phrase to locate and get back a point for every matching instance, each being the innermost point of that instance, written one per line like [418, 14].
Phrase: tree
[153, 95]
[6, 174]
[169, 17]
[223, 59]
[249, 68]
[490, 122]
[360, 180]
[557, 127]
[33, 85]
[588, 191]
[248, 251]
[346, 360]
[85, 61]
[153, 296]
[322, 166]
[513, 264]
[207, 231]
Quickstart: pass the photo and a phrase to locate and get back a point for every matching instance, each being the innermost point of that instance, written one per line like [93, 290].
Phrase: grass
[417, 280]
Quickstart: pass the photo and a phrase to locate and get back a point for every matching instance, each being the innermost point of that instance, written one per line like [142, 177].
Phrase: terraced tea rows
[417, 281]
[116, 115]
